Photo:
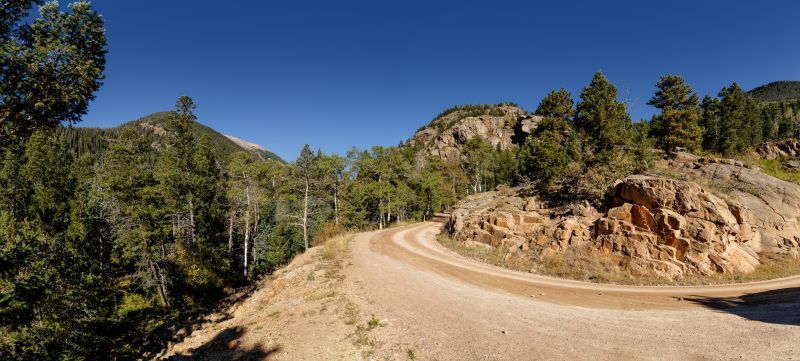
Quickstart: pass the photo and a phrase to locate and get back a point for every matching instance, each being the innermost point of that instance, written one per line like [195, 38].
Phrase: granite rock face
[779, 149]
[500, 126]
[651, 225]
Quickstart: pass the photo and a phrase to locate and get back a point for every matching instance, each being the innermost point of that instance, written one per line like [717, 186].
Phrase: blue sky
[337, 74]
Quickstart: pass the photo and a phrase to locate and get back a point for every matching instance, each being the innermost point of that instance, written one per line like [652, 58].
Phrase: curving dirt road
[438, 305]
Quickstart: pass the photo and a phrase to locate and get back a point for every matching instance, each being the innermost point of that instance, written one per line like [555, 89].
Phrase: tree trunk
[336, 204]
[255, 229]
[305, 217]
[246, 232]
[160, 283]
[389, 210]
[192, 232]
[380, 206]
[230, 233]
[174, 227]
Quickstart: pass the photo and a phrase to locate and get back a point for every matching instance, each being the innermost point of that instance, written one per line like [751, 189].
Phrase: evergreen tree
[137, 215]
[49, 70]
[544, 155]
[732, 122]
[56, 291]
[677, 125]
[189, 180]
[602, 148]
[603, 119]
[558, 104]
[710, 122]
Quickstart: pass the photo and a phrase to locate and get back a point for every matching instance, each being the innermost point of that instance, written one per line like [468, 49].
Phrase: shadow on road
[226, 346]
[777, 306]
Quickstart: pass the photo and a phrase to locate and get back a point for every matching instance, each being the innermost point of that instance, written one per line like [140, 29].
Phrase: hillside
[500, 125]
[95, 140]
[775, 91]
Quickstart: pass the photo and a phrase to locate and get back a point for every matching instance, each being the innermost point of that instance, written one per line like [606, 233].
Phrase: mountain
[776, 91]
[95, 140]
[500, 125]
[253, 148]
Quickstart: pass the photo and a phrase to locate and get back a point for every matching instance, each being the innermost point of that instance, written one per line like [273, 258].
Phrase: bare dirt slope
[298, 313]
[437, 305]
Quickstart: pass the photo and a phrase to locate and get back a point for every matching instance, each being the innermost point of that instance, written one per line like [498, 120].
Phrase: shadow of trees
[777, 306]
[226, 346]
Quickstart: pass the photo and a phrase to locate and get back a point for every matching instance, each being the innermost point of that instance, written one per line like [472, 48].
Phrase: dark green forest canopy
[775, 91]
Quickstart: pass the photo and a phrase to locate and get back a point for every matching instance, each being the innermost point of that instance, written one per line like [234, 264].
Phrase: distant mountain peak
[95, 140]
[245, 144]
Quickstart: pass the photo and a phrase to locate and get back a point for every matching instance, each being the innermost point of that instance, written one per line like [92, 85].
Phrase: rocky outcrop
[520, 224]
[774, 204]
[497, 125]
[671, 228]
[652, 225]
[779, 149]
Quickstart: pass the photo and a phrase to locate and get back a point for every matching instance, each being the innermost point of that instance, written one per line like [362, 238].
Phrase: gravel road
[438, 305]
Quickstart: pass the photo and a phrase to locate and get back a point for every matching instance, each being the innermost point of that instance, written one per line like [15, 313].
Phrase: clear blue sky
[337, 74]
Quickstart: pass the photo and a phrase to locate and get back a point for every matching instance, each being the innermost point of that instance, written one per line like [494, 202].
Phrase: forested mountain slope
[95, 140]
[775, 91]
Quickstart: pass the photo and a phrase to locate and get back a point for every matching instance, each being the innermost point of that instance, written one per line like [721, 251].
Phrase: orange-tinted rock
[622, 213]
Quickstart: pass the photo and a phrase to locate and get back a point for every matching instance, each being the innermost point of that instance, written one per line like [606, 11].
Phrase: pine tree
[56, 291]
[137, 214]
[732, 122]
[544, 157]
[558, 104]
[678, 123]
[544, 154]
[50, 69]
[602, 150]
[710, 122]
[603, 119]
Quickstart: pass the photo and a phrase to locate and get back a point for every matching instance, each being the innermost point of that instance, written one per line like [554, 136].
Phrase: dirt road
[437, 305]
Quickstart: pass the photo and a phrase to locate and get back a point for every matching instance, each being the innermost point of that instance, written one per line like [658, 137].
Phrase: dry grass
[319, 294]
[574, 264]
[333, 257]
[336, 248]
[773, 265]
[495, 256]
[774, 167]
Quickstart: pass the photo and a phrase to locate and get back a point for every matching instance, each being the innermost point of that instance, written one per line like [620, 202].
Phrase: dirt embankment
[298, 313]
